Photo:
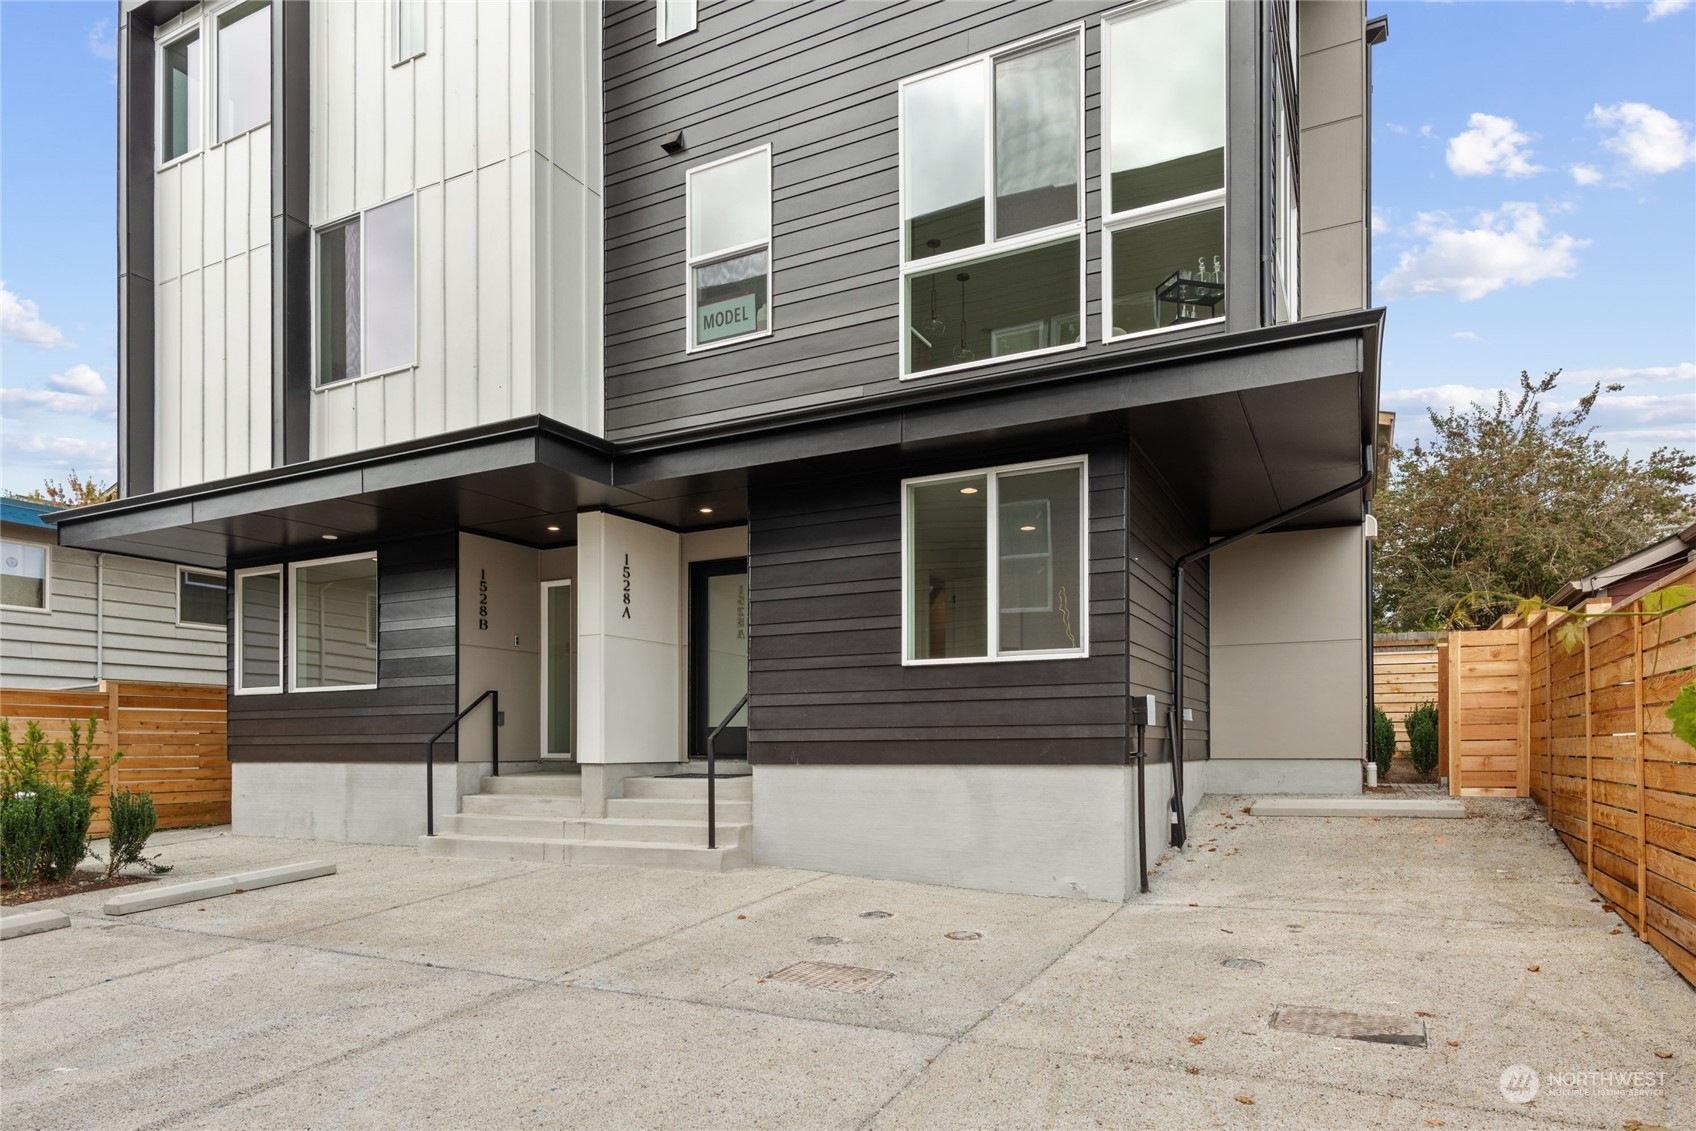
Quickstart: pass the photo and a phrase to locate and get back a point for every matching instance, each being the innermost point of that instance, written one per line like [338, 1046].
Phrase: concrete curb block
[16, 924]
[1358, 807]
[130, 902]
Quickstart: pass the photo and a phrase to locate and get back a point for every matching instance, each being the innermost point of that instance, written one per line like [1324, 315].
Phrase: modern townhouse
[967, 412]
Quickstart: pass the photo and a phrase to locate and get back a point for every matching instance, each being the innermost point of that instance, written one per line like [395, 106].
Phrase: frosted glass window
[259, 631]
[1166, 104]
[200, 598]
[1037, 127]
[23, 575]
[331, 610]
[338, 303]
[408, 20]
[729, 222]
[390, 323]
[675, 18]
[179, 98]
[244, 69]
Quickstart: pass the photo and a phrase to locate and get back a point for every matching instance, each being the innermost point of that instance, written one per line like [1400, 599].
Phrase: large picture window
[729, 222]
[366, 300]
[1164, 165]
[244, 68]
[23, 575]
[331, 612]
[992, 207]
[995, 564]
[259, 630]
[179, 97]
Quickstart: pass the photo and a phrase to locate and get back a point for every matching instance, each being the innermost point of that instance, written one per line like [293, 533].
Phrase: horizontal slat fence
[172, 736]
[1404, 675]
[1486, 719]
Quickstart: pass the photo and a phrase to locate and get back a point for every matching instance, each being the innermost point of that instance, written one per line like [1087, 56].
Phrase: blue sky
[1534, 197]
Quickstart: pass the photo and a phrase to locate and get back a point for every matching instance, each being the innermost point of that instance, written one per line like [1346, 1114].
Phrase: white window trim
[993, 581]
[238, 578]
[659, 22]
[992, 248]
[46, 605]
[194, 624]
[1112, 222]
[293, 611]
[693, 261]
[395, 57]
[193, 27]
[312, 266]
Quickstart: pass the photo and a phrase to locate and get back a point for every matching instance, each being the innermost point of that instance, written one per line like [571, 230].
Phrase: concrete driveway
[404, 992]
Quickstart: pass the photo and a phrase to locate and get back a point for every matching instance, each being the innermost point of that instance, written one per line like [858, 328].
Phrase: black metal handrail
[712, 771]
[430, 753]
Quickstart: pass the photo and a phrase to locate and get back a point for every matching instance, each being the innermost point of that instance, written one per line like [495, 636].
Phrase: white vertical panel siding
[370, 80]
[215, 373]
[191, 405]
[167, 383]
[215, 206]
[458, 46]
[259, 356]
[237, 222]
[238, 370]
[493, 292]
[430, 387]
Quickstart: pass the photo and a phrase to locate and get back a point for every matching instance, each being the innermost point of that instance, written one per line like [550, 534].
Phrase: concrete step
[457, 846]
[663, 832]
[679, 809]
[534, 785]
[688, 857]
[739, 788]
[518, 805]
[510, 825]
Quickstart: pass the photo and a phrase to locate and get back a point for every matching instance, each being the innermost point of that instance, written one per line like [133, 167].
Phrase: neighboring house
[1632, 574]
[71, 618]
[942, 377]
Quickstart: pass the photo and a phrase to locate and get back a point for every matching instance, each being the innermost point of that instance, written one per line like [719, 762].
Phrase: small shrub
[65, 817]
[21, 837]
[47, 801]
[1383, 742]
[1422, 734]
[133, 819]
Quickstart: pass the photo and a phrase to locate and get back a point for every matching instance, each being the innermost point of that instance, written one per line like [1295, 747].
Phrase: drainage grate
[830, 976]
[1379, 1028]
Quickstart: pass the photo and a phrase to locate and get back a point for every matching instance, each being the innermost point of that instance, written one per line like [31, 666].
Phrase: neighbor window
[675, 18]
[179, 97]
[996, 563]
[366, 306]
[992, 207]
[259, 630]
[729, 222]
[406, 18]
[23, 575]
[244, 68]
[200, 597]
[330, 607]
[1164, 162]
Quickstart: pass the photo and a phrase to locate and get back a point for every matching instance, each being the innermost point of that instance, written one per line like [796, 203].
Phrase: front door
[559, 670]
[718, 654]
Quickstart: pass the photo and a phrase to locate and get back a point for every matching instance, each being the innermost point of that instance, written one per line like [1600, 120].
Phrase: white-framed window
[25, 576]
[243, 57]
[201, 597]
[365, 299]
[179, 97]
[992, 206]
[729, 237]
[406, 30]
[674, 18]
[1286, 206]
[331, 645]
[259, 631]
[995, 564]
[1163, 166]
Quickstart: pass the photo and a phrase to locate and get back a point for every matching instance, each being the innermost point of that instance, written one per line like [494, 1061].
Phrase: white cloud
[1380, 220]
[1427, 131]
[79, 391]
[1585, 174]
[1508, 247]
[103, 41]
[1395, 127]
[97, 456]
[1490, 145]
[79, 379]
[1660, 9]
[20, 321]
[1466, 336]
[1650, 140]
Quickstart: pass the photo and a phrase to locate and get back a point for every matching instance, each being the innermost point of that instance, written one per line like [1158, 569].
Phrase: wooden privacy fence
[1404, 675]
[172, 736]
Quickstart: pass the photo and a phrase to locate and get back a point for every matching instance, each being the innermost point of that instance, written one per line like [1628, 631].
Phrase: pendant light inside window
[933, 329]
[961, 352]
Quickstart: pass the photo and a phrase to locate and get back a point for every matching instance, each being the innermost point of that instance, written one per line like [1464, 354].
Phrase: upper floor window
[366, 305]
[676, 17]
[992, 206]
[729, 222]
[406, 21]
[1164, 76]
[23, 575]
[244, 68]
[200, 598]
[179, 97]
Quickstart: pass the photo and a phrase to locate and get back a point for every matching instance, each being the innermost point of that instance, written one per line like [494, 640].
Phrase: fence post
[1522, 777]
[1642, 816]
[1589, 774]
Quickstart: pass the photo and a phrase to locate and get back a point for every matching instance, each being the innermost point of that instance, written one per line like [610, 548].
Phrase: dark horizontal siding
[417, 676]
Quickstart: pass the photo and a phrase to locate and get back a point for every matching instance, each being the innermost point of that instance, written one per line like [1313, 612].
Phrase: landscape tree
[1509, 501]
[75, 491]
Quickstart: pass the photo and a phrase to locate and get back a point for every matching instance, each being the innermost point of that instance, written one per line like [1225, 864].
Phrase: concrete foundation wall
[361, 802]
[1285, 775]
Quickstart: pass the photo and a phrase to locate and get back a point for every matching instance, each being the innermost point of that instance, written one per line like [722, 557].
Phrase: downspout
[1371, 660]
[1369, 460]
[1140, 751]
[99, 618]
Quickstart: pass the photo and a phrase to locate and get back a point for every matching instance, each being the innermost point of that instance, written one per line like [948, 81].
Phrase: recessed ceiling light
[553, 530]
[1027, 529]
[968, 490]
[706, 510]
[328, 537]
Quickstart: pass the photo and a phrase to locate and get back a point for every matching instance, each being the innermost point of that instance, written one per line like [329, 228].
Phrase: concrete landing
[1441, 807]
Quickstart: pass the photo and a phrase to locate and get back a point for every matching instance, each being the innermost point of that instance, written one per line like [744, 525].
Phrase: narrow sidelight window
[244, 68]
[676, 17]
[333, 645]
[200, 598]
[366, 299]
[259, 630]
[992, 207]
[996, 563]
[179, 97]
[729, 222]
[1164, 71]
[23, 575]
[406, 19]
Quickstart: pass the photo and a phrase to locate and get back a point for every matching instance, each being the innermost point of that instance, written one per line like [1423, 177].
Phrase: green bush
[1383, 742]
[46, 801]
[133, 819]
[1421, 726]
[20, 837]
[64, 826]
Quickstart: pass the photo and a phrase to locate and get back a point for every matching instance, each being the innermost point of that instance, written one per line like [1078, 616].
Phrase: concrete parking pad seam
[235, 944]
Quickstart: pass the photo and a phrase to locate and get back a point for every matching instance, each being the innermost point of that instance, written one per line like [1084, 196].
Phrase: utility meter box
[1143, 711]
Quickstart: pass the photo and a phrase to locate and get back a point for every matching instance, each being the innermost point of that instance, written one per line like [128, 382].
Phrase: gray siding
[825, 677]
[819, 82]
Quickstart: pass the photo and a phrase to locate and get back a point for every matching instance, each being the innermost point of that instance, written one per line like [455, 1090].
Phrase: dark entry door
[718, 654]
